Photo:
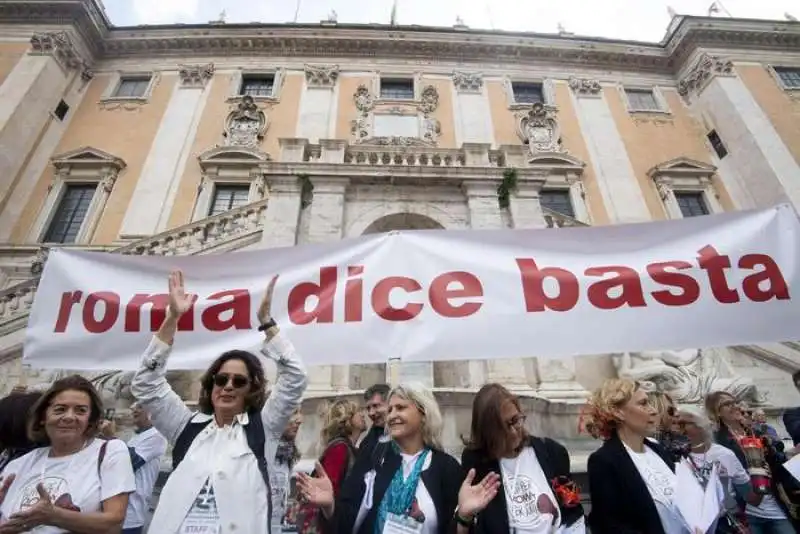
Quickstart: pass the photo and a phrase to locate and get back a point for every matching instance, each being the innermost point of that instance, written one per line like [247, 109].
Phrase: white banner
[440, 295]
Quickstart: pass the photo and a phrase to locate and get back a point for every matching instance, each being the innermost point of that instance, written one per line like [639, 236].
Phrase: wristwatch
[462, 521]
[266, 326]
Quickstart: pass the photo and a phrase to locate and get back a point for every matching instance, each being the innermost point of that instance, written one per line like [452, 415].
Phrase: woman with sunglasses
[770, 514]
[667, 432]
[536, 494]
[222, 454]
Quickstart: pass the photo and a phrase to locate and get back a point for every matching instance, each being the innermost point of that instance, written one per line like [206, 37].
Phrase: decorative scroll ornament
[585, 86]
[195, 75]
[245, 125]
[703, 72]
[361, 126]
[59, 45]
[467, 82]
[539, 130]
[321, 75]
[429, 100]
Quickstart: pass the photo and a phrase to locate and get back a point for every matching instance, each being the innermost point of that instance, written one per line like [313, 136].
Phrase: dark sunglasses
[221, 380]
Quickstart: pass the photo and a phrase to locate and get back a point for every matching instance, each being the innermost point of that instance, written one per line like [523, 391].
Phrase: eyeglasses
[222, 379]
[517, 420]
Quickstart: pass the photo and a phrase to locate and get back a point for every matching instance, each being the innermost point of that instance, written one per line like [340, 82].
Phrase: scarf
[400, 494]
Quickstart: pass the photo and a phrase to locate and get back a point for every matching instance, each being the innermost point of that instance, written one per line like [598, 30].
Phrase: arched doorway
[362, 376]
[402, 221]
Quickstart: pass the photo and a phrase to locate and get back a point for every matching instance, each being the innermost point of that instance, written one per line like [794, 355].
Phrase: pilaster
[282, 215]
[525, 207]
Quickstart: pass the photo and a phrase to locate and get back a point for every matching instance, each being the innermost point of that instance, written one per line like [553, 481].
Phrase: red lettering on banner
[440, 294]
[533, 287]
[715, 266]
[237, 309]
[354, 296]
[380, 298]
[110, 309]
[627, 279]
[688, 285]
[158, 311]
[751, 285]
[68, 300]
[324, 291]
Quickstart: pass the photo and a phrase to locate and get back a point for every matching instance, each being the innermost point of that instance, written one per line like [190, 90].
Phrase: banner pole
[394, 371]
[22, 381]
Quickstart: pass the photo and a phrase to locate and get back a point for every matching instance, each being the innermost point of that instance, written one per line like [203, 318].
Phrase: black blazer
[621, 502]
[553, 458]
[442, 479]
[791, 420]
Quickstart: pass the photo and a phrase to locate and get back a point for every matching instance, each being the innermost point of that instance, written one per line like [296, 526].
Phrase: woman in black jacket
[631, 477]
[414, 482]
[536, 491]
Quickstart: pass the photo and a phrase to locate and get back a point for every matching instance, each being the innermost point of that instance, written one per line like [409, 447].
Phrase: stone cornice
[414, 43]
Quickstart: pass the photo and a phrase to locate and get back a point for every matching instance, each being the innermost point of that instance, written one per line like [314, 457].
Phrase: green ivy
[306, 191]
[507, 186]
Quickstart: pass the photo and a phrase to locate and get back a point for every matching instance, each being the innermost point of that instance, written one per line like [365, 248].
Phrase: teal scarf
[400, 494]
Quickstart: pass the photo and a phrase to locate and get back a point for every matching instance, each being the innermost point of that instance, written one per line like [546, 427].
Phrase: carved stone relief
[321, 75]
[539, 129]
[703, 72]
[467, 82]
[585, 86]
[246, 124]
[59, 45]
[361, 126]
[687, 375]
[429, 101]
[195, 75]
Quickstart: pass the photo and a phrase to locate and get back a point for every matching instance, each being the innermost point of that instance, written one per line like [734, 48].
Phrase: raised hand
[473, 498]
[317, 491]
[265, 308]
[179, 301]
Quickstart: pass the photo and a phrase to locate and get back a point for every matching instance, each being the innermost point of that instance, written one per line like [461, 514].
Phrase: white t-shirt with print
[532, 507]
[150, 446]
[72, 481]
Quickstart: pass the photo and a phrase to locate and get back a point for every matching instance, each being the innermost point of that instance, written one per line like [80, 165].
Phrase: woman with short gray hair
[704, 455]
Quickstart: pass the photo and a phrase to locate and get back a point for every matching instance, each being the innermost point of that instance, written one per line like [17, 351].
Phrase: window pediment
[559, 160]
[233, 156]
[682, 167]
[88, 157]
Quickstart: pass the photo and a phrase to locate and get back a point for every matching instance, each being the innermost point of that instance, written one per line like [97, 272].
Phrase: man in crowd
[146, 448]
[286, 456]
[376, 401]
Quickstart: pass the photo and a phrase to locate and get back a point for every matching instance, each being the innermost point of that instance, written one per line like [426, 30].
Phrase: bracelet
[463, 522]
[266, 326]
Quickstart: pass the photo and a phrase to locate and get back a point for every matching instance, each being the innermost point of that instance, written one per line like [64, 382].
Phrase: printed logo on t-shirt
[57, 488]
[527, 506]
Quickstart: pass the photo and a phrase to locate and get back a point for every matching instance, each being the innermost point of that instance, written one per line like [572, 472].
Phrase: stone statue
[687, 375]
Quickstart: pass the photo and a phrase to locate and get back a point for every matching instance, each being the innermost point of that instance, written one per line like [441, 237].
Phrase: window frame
[683, 175]
[415, 80]
[62, 197]
[81, 166]
[238, 78]
[772, 69]
[215, 189]
[110, 94]
[658, 96]
[548, 92]
[561, 190]
[701, 195]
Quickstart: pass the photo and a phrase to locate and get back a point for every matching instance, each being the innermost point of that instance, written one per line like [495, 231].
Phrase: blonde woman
[342, 423]
[667, 433]
[410, 488]
[631, 479]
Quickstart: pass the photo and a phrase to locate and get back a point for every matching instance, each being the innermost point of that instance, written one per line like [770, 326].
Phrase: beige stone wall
[125, 131]
[10, 54]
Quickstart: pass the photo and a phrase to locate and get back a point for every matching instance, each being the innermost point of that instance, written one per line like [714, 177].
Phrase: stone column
[282, 215]
[524, 205]
[326, 223]
[758, 170]
[484, 213]
[27, 97]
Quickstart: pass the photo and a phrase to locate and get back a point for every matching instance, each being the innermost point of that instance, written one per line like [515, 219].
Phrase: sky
[641, 20]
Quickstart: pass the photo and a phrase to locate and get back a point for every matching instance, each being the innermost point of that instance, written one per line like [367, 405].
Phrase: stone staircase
[230, 230]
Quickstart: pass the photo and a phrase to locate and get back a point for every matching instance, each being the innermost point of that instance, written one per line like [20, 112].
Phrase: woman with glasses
[222, 454]
[667, 433]
[536, 494]
[767, 513]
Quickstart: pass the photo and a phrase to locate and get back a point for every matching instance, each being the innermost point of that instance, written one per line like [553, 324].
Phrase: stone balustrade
[554, 219]
[192, 238]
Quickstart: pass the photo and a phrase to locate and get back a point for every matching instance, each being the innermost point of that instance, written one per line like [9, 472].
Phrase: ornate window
[261, 85]
[562, 192]
[380, 121]
[686, 187]
[233, 176]
[644, 100]
[77, 196]
[134, 87]
[521, 94]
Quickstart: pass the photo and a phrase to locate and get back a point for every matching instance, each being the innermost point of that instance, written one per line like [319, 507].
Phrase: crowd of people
[62, 470]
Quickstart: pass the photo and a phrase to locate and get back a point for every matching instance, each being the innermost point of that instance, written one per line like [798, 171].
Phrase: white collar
[200, 417]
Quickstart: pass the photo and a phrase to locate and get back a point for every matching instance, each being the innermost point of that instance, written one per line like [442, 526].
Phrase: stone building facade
[193, 139]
